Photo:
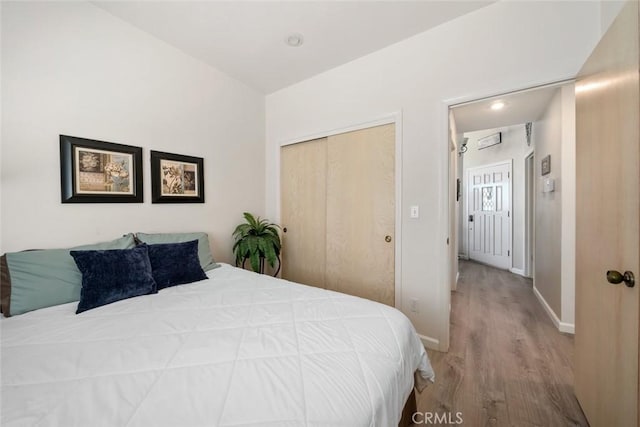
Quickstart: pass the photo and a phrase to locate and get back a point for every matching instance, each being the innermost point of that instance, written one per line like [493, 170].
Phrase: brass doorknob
[387, 238]
[615, 277]
[284, 230]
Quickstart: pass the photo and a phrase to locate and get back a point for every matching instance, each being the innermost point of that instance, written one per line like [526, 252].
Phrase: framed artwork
[176, 178]
[546, 165]
[99, 172]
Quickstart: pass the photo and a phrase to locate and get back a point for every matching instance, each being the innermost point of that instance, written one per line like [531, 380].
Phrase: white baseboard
[562, 326]
[430, 343]
[517, 271]
[569, 328]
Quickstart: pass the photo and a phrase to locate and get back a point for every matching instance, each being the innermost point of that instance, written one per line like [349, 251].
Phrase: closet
[338, 212]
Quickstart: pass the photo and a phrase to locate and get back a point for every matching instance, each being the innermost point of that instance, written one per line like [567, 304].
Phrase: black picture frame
[176, 178]
[93, 171]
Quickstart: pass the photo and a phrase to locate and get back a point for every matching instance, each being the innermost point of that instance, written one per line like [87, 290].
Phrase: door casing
[530, 217]
[445, 108]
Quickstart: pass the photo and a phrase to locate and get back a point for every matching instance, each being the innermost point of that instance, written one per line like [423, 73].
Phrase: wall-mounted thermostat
[548, 185]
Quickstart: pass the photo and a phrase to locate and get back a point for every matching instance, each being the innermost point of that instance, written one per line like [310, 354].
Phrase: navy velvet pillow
[113, 275]
[175, 263]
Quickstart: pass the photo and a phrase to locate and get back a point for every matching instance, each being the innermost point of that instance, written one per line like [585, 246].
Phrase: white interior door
[489, 208]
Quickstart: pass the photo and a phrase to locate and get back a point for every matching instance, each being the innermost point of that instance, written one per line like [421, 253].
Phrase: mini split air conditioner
[490, 140]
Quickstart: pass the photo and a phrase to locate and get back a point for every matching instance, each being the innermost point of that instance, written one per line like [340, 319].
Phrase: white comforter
[239, 349]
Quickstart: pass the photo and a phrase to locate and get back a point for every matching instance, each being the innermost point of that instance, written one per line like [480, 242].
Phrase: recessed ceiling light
[497, 105]
[294, 40]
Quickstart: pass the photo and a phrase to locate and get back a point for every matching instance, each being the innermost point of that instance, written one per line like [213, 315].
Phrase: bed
[237, 349]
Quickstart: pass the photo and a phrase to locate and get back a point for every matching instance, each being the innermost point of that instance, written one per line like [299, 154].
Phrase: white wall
[554, 283]
[502, 47]
[72, 68]
[513, 147]
[547, 136]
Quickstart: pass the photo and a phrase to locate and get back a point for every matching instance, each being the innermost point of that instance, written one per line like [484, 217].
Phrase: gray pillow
[43, 278]
[204, 251]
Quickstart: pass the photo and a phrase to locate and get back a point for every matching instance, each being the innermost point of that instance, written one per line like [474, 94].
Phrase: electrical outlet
[414, 305]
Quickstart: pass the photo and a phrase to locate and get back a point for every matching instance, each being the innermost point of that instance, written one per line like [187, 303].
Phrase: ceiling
[520, 107]
[246, 39]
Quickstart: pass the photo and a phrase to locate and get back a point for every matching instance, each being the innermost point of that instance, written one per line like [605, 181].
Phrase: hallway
[507, 364]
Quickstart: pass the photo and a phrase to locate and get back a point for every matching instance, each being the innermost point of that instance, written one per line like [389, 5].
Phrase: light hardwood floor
[507, 364]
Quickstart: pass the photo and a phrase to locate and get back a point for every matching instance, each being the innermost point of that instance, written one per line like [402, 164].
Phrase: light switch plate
[548, 185]
[414, 305]
[415, 212]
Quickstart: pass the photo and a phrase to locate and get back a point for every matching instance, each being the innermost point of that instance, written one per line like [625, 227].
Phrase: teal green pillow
[204, 252]
[43, 278]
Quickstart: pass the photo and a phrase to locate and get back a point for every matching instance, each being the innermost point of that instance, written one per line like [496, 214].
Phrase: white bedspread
[239, 349]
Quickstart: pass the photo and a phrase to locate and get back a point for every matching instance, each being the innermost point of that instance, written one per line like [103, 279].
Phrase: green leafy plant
[257, 239]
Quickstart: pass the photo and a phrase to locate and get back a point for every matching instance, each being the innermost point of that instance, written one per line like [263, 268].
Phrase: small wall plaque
[546, 165]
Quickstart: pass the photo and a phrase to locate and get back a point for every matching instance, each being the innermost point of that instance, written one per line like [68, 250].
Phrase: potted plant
[257, 240]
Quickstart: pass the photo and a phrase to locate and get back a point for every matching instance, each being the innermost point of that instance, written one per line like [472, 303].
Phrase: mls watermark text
[439, 418]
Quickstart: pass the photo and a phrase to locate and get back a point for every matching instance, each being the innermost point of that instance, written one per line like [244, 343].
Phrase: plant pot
[262, 265]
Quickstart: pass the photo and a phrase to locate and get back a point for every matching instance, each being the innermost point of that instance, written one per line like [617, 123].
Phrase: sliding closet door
[361, 213]
[303, 180]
